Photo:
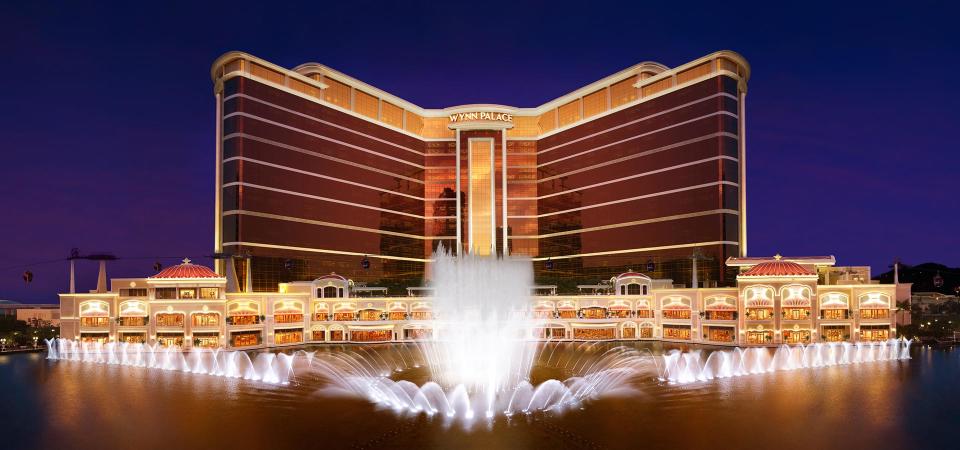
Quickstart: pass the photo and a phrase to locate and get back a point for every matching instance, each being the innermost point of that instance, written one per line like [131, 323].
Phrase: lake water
[881, 405]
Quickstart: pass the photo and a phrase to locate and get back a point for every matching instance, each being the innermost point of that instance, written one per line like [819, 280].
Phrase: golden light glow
[481, 214]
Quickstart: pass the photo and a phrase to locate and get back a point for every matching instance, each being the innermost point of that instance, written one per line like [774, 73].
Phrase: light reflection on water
[903, 404]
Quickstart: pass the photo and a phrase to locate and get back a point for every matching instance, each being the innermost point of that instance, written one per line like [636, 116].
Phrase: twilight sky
[107, 131]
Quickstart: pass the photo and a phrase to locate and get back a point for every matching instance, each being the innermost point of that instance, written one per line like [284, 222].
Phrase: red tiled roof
[186, 270]
[777, 268]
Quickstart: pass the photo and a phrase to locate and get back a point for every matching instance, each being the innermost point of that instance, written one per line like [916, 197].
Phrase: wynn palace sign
[481, 115]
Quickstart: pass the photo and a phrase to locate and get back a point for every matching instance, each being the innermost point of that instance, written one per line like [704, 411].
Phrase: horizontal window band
[317, 155]
[316, 175]
[321, 250]
[636, 250]
[638, 136]
[636, 121]
[629, 224]
[424, 260]
[242, 212]
[341, 127]
[317, 197]
[322, 137]
[639, 197]
[641, 175]
[640, 155]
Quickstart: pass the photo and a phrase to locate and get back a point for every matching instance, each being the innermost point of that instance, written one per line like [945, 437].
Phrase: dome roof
[777, 268]
[332, 276]
[186, 270]
[631, 274]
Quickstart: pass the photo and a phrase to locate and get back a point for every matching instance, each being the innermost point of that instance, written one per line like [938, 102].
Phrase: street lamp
[35, 342]
[3, 344]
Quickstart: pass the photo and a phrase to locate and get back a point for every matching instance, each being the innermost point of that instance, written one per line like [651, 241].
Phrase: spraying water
[480, 357]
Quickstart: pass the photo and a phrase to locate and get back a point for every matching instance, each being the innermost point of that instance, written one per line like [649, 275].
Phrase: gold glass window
[547, 121]
[595, 103]
[391, 114]
[365, 104]
[480, 195]
[209, 293]
[304, 88]
[623, 92]
[188, 293]
[569, 113]
[265, 73]
[414, 122]
[337, 93]
[657, 86]
[524, 126]
[695, 72]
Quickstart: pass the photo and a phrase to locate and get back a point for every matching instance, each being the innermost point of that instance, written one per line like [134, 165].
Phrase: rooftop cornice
[303, 71]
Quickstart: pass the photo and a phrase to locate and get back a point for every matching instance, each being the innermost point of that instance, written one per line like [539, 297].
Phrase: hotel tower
[318, 172]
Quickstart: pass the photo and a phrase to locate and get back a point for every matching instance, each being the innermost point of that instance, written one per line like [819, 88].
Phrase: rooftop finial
[186, 260]
[777, 257]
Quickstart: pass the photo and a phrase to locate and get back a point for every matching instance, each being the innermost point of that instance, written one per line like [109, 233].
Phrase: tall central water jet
[483, 327]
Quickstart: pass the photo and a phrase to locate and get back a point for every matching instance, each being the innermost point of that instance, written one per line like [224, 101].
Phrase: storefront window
[796, 313]
[796, 336]
[676, 332]
[170, 320]
[874, 333]
[676, 314]
[165, 293]
[645, 313]
[759, 337]
[834, 314]
[206, 320]
[281, 337]
[133, 321]
[720, 334]
[594, 334]
[594, 313]
[170, 339]
[371, 335]
[720, 315]
[369, 314]
[245, 338]
[874, 313]
[836, 333]
[244, 319]
[206, 340]
[288, 318]
[344, 316]
[94, 322]
[759, 313]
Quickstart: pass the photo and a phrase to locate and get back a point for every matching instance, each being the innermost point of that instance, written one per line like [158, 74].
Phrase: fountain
[481, 355]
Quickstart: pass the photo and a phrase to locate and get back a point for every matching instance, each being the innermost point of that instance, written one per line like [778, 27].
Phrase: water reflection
[902, 404]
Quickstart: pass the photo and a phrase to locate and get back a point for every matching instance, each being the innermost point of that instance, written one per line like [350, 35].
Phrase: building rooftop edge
[312, 67]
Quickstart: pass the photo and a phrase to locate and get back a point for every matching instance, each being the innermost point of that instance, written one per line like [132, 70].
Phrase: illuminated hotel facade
[318, 172]
[775, 301]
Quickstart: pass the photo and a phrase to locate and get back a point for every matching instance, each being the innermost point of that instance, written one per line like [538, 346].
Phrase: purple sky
[107, 128]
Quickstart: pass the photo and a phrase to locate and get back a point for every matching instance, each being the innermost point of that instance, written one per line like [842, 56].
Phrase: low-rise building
[776, 301]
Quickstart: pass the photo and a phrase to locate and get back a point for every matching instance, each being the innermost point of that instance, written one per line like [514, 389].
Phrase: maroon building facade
[318, 172]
